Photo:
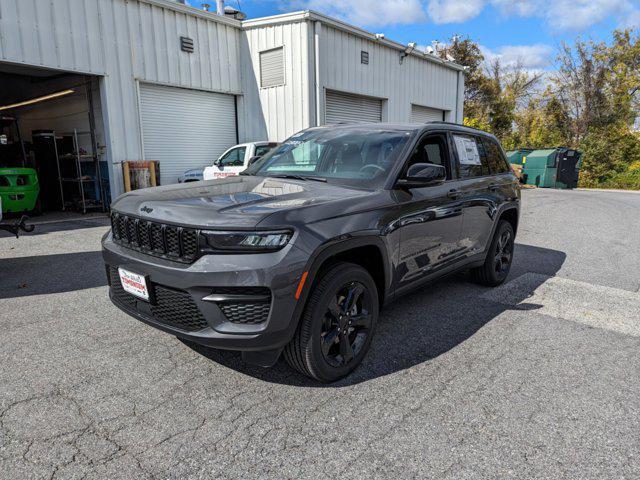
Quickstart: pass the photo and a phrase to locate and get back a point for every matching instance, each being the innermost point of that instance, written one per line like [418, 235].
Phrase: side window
[233, 158]
[262, 150]
[472, 157]
[495, 157]
[430, 149]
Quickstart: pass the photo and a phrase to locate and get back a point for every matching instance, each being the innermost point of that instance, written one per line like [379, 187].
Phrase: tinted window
[233, 158]
[472, 157]
[262, 150]
[495, 158]
[430, 149]
[358, 156]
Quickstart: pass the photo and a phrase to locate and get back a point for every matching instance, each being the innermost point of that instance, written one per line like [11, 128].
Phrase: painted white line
[581, 302]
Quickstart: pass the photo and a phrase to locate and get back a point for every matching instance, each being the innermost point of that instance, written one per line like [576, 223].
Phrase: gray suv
[300, 252]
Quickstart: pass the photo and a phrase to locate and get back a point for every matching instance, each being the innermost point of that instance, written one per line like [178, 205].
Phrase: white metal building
[164, 81]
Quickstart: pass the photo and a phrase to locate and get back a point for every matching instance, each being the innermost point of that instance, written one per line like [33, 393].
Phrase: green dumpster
[516, 157]
[552, 168]
[19, 189]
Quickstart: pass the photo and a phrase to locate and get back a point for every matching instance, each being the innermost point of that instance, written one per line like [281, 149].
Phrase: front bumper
[185, 286]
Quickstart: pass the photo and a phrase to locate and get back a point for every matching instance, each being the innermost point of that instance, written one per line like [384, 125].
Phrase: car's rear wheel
[337, 324]
[497, 265]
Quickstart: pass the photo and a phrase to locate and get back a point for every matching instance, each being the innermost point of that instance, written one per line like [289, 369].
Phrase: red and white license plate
[134, 283]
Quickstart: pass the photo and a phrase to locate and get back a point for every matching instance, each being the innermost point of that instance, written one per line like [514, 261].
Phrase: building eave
[194, 12]
[313, 16]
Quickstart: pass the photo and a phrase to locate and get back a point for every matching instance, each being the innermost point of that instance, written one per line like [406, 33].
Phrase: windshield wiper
[300, 177]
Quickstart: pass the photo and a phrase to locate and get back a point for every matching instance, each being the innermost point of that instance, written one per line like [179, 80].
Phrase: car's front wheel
[337, 324]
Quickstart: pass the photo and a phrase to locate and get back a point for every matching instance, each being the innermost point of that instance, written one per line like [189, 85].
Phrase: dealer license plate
[134, 283]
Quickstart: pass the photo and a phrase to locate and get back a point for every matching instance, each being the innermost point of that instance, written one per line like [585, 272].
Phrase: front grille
[177, 309]
[155, 238]
[245, 312]
[171, 307]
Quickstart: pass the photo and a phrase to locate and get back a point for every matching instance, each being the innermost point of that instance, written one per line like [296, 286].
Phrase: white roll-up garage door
[420, 114]
[185, 129]
[345, 107]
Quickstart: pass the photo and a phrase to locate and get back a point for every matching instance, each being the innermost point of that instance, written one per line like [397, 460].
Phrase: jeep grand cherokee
[300, 252]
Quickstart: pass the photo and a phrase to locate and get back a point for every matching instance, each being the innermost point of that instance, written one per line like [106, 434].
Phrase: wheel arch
[511, 215]
[370, 252]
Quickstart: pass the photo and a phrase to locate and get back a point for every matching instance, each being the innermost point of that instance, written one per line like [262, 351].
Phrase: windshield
[355, 156]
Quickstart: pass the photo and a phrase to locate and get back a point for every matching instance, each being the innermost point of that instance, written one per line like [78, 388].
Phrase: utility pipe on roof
[317, 30]
[220, 7]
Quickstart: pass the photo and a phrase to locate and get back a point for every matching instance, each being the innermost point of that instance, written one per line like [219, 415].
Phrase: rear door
[475, 191]
[430, 218]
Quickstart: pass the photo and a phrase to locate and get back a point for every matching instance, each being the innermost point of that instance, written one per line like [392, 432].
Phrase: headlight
[246, 241]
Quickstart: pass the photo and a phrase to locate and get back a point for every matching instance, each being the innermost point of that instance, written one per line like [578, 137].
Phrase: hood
[232, 202]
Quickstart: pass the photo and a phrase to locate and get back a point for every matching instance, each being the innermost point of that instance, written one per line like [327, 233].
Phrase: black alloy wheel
[337, 325]
[347, 323]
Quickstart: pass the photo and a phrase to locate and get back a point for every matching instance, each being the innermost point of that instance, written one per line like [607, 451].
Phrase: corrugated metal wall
[124, 41]
[275, 113]
[415, 81]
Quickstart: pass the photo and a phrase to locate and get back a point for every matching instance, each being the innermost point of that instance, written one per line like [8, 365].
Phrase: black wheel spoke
[329, 339]
[334, 309]
[352, 296]
[346, 350]
[360, 320]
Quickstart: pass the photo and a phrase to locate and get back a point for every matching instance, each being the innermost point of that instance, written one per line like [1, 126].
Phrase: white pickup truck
[237, 159]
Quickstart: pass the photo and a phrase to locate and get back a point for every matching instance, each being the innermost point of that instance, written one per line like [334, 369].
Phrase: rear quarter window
[495, 157]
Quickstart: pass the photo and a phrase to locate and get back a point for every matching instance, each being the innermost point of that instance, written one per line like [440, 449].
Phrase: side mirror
[422, 175]
[253, 160]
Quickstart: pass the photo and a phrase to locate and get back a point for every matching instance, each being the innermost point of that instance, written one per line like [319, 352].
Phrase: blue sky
[525, 31]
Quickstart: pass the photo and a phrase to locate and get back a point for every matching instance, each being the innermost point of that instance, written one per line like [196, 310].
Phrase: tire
[496, 266]
[319, 347]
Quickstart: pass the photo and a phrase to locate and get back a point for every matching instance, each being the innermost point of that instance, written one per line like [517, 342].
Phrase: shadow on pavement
[425, 324]
[62, 226]
[37, 275]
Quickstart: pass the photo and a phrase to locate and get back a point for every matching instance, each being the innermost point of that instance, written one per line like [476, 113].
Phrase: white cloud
[523, 8]
[366, 12]
[580, 14]
[454, 11]
[530, 57]
[575, 15]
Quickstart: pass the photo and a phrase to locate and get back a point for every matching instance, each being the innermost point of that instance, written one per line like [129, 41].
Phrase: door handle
[454, 193]
[494, 187]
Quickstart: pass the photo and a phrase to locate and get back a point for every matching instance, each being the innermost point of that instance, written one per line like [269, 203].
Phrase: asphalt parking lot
[539, 378]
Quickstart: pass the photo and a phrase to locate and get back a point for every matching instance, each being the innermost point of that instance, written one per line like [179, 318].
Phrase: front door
[231, 163]
[430, 218]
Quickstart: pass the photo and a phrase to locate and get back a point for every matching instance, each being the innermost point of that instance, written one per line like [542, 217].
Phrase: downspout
[457, 97]
[317, 29]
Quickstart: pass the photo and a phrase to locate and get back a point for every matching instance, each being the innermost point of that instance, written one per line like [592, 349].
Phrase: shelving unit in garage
[80, 170]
